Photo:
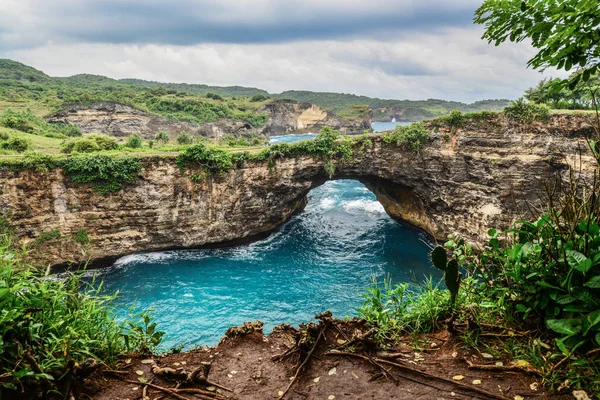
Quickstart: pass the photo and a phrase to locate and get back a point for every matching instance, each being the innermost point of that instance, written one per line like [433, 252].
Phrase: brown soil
[244, 362]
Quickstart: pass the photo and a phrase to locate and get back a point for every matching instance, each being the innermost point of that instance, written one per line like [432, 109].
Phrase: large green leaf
[439, 258]
[575, 258]
[590, 321]
[564, 326]
[593, 283]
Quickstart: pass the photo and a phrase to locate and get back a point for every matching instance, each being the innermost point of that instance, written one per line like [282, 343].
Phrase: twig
[170, 392]
[289, 351]
[500, 368]
[561, 362]
[303, 363]
[427, 375]
[200, 391]
[31, 361]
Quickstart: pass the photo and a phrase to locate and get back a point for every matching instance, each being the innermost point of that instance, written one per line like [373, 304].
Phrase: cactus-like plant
[439, 258]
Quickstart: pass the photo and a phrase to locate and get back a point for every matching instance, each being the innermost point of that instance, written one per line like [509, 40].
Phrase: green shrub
[455, 119]
[523, 111]
[81, 237]
[162, 137]
[80, 145]
[208, 159]
[47, 236]
[58, 322]
[258, 97]
[13, 143]
[71, 130]
[89, 144]
[39, 161]
[412, 137]
[106, 174]
[184, 138]
[134, 142]
[4, 136]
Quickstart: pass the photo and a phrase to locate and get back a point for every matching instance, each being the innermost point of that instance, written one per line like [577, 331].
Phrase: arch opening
[322, 258]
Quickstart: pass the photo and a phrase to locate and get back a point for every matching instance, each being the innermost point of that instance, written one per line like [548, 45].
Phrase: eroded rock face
[292, 117]
[464, 182]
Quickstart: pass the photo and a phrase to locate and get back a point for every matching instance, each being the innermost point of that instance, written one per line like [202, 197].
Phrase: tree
[564, 31]
[184, 138]
[162, 137]
[134, 142]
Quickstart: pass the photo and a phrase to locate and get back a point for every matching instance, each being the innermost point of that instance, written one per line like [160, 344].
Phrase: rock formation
[287, 117]
[465, 181]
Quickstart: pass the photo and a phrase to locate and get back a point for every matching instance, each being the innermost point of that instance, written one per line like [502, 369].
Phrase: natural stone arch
[463, 182]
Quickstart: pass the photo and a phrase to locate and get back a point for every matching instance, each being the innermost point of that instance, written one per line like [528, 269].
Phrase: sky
[397, 49]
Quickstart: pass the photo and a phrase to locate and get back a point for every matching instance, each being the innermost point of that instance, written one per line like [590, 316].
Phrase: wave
[369, 206]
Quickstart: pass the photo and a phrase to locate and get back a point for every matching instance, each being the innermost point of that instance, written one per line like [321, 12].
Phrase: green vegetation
[162, 137]
[412, 137]
[81, 237]
[525, 112]
[554, 94]
[50, 329]
[412, 110]
[184, 138]
[106, 174]
[14, 143]
[134, 142]
[91, 143]
[565, 32]
[26, 121]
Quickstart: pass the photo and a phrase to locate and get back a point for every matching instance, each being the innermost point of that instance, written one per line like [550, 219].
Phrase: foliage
[208, 159]
[552, 93]
[564, 32]
[259, 97]
[14, 143]
[134, 142]
[452, 277]
[525, 112]
[412, 137]
[162, 137]
[184, 138]
[106, 174]
[354, 112]
[47, 236]
[26, 121]
[396, 309]
[89, 143]
[57, 322]
[82, 237]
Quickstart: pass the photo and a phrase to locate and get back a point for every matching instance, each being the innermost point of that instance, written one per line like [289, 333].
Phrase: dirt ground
[246, 366]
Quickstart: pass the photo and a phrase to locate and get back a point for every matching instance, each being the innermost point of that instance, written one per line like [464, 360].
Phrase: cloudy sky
[401, 49]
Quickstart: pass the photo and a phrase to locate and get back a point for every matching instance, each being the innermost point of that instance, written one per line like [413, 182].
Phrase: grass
[35, 107]
[40, 143]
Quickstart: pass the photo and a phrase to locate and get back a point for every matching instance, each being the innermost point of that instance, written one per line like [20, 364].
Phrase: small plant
[522, 111]
[455, 119]
[106, 174]
[412, 137]
[206, 158]
[258, 97]
[134, 142]
[184, 138]
[89, 144]
[140, 333]
[162, 137]
[81, 237]
[452, 277]
[13, 143]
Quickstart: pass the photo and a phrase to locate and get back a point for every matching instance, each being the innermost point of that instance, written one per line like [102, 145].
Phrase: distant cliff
[301, 117]
[283, 117]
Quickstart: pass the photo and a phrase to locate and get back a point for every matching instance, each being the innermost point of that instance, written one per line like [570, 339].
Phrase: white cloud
[454, 65]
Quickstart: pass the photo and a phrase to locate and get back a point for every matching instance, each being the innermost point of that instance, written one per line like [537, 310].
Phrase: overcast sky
[401, 49]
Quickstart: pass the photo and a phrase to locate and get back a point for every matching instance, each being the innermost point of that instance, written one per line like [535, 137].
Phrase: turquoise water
[321, 259]
[387, 126]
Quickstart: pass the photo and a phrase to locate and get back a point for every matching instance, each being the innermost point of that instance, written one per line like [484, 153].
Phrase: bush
[412, 137]
[71, 130]
[13, 143]
[106, 174]
[59, 323]
[39, 161]
[258, 97]
[523, 111]
[80, 145]
[82, 237]
[184, 138]
[4, 136]
[162, 137]
[89, 144]
[208, 159]
[134, 142]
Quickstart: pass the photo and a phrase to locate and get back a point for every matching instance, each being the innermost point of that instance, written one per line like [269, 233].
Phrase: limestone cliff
[122, 121]
[466, 181]
[293, 117]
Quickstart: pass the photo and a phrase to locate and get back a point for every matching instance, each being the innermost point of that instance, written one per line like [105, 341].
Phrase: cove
[323, 258]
